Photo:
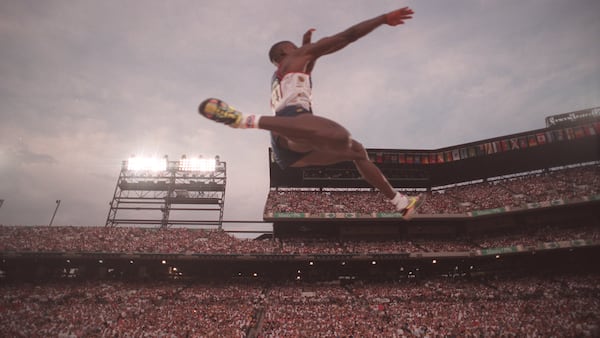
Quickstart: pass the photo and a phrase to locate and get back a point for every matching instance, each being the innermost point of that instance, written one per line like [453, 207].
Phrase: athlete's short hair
[275, 51]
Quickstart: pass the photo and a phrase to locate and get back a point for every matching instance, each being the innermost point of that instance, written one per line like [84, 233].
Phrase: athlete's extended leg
[319, 132]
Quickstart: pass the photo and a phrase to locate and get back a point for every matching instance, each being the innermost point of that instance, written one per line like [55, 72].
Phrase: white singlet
[293, 89]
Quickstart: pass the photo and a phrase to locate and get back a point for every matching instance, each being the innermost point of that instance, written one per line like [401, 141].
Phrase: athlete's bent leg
[370, 172]
[356, 153]
[407, 205]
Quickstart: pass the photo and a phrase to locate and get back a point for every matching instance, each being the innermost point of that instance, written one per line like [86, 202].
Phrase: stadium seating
[571, 184]
[511, 304]
[561, 306]
[70, 239]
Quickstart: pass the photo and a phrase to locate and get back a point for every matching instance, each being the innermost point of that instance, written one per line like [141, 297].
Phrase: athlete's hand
[398, 16]
[307, 36]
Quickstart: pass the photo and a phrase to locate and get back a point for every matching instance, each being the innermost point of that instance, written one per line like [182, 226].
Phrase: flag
[496, 146]
[570, 133]
[514, 144]
[523, 142]
[432, 158]
[472, 151]
[440, 158]
[541, 138]
[559, 135]
[455, 155]
[532, 142]
[590, 131]
[387, 157]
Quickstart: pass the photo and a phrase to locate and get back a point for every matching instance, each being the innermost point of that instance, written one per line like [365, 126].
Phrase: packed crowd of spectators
[533, 306]
[566, 184]
[100, 309]
[524, 307]
[202, 241]
[524, 237]
[126, 240]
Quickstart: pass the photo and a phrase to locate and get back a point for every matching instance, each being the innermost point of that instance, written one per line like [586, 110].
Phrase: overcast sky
[85, 84]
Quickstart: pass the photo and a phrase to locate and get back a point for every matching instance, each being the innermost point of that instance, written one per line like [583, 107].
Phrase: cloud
[22, 154]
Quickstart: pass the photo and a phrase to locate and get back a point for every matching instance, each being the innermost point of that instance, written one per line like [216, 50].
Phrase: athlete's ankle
[249, 121]
[400, 201]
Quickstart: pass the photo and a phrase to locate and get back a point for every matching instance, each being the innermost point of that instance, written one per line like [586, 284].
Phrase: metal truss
[171, 197]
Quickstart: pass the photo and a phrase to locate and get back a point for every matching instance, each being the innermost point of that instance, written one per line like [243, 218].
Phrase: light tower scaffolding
[156, 191]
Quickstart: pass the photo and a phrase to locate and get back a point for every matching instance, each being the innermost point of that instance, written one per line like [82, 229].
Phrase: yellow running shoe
[219, 111]
[413, 203]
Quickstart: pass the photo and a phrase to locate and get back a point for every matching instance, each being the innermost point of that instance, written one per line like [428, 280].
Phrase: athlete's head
[279, 50]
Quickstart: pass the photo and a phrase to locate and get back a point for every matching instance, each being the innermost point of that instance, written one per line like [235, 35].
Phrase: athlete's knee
[356, 152]
[359, 150]
[336, 135]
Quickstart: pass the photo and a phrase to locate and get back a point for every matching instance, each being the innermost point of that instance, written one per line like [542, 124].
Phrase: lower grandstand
[507, 244]
[547, 305]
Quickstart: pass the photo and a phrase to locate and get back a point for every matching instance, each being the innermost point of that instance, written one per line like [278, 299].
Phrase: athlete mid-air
[298, 137]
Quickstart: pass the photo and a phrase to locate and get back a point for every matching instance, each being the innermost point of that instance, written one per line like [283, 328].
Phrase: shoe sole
[219, 111]
[410, 212]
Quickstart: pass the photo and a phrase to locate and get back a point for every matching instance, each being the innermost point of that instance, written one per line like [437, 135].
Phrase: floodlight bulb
[147, 164]
[197, 164]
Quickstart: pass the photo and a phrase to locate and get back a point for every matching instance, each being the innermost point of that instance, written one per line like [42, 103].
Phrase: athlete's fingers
[398, 16]
[307, 36]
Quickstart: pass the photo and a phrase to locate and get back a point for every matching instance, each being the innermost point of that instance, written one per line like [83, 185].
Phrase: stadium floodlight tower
[156, 191]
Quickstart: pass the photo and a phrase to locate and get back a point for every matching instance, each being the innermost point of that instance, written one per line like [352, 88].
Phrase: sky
[85, 84]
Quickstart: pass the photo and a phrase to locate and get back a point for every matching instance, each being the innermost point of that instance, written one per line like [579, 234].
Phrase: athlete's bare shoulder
[297, 60]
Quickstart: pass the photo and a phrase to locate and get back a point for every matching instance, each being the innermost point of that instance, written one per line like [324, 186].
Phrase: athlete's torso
[291, 89]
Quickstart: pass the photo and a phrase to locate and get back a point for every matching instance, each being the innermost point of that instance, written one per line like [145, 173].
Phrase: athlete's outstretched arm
[338, 41]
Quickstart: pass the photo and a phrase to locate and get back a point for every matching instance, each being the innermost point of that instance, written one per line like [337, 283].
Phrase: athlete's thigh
[315, 120]
[316, 133]
[319, 157]
[300, 145]
[317, 130]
